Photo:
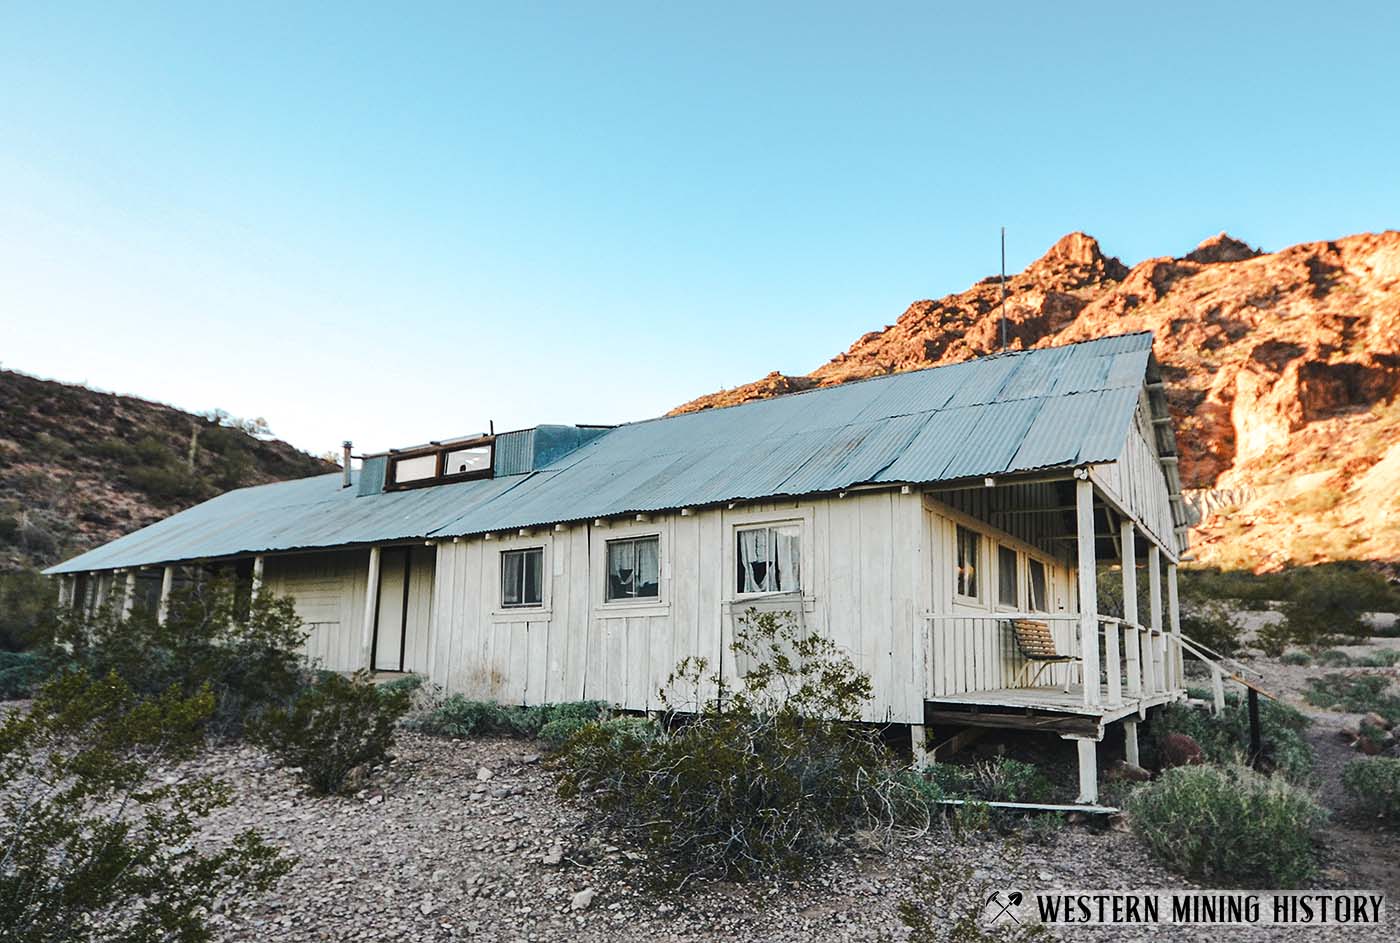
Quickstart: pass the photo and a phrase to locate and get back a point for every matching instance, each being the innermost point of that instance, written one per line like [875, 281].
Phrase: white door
[393, 605]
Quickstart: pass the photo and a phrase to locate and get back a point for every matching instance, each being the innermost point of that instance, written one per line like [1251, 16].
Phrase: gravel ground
[467, 840]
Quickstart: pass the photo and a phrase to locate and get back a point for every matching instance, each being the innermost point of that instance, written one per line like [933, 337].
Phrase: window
[634, 568]
[1036, 583]
[521, 577]
[468, 461]
[465, 460]
[418, 468]
[1006, 577]
[769, 559]
[965, 575]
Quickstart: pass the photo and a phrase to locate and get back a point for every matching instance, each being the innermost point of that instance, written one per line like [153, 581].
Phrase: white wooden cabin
[910, 518]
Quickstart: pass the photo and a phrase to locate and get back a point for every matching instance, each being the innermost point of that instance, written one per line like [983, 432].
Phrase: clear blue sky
[394, 222]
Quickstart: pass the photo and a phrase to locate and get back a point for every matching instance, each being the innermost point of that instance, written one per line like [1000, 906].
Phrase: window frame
[632, 601]
[770, 525]
[977, 572]
[1016, 555]
[525, 551]
[439, 453]
[1045, 572]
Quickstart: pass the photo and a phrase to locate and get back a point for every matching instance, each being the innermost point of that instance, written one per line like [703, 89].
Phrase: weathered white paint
[1176, 673]
[404, 611]
[1088, 749]
[328, 590]
[370, 610]
[1137, 484]
[1130, 742]
[259, 565]
[128, 593]
[1088, 590]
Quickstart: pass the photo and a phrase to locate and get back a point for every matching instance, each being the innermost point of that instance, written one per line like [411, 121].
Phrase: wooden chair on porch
[1037, 646]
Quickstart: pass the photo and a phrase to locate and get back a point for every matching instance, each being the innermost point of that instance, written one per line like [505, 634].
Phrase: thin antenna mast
[1003, 288]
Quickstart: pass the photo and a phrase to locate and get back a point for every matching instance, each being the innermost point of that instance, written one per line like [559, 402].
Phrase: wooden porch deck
[1047, 708]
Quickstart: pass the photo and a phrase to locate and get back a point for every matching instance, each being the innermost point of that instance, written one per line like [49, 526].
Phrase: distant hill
[1283, 371]
[79, 467]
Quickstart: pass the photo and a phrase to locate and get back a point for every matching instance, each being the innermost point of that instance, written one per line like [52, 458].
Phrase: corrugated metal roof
[1013, 412]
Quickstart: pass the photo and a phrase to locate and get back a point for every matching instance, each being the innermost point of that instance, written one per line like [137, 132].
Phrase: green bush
[25, 596]
[21, 673]
[95, 846]
[1372, 591]
[460, 717]
[1384, 658]
[1296, 657]
[1212, 623]
[333, 727]
[1229, 826]
[1334, 658]
[248, 654]
[771, 780]
[1355, 693]
[1224, 739]
[1374, 784]
[1332, 605]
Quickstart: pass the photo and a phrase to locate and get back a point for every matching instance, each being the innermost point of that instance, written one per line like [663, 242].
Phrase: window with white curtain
[522, 577]
[634, 568]
[769, 559]
[965, 572]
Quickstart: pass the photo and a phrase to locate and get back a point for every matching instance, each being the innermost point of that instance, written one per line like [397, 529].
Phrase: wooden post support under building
[167, 583]
[1130, 742]
[1088, 768]
[1088, 590]
[918, 744]
[371, 610]
[257, 578]
[1132, 637]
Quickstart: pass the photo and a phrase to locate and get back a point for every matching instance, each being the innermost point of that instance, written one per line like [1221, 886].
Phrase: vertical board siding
[328, 591]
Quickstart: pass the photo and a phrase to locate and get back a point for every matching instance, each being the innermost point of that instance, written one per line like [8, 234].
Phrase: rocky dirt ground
[466, 840]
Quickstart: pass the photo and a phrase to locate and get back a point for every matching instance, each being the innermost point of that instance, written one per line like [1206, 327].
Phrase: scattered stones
[483, 774]
[582, 900]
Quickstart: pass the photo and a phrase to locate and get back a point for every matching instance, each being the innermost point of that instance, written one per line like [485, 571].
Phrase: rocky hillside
[1283, 370]
[79, 467]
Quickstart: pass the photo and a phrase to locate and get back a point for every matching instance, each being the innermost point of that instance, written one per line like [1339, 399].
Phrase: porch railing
[978, 653]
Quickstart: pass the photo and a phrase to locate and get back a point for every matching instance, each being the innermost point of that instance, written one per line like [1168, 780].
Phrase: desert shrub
[248, 654]
[1331, 605]
[952, 903]
[1211, 623]
[769, 779]
[1356, 693]
[409, 685]
[25, 596]
[1374, 785]
[460, 717]
[1296, 657]
[95, 846]
[1228, 826]
[1334, 658]
[21, 673]
[1384, 658]
[1224, 739]
[1370, 588]
[334, 726]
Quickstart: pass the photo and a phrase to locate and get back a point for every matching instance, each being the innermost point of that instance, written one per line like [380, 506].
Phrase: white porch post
[104, 584]
[1154, 584]
[371, 610]
[257, 578]
[1132, 636]
[1088, 590]
[167, 583]
[1177, 673]
[128, 593]
[65, 591]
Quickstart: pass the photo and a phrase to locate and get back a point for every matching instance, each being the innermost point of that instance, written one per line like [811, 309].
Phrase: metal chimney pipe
[345, 463]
